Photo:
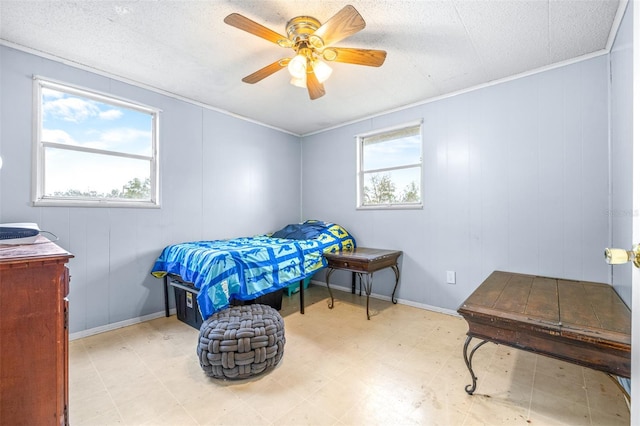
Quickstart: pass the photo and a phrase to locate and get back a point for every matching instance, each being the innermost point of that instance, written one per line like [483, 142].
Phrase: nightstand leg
[368, 285]
[329, 272]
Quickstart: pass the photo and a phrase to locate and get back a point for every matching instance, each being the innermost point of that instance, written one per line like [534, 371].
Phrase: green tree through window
[134, 189]
[390, 168]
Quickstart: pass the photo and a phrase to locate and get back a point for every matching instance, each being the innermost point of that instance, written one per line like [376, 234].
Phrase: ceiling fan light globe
[322, 70]
[299, 82]
[298, 67]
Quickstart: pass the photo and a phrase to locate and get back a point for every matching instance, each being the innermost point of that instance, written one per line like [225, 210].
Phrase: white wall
[515, 175]
[622, 211]
[221, 177]
[516, 178]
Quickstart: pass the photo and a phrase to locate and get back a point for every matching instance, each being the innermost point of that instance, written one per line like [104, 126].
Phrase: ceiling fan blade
[246, 24]
[266, 71]
[372, 58]
[341, 25]
[315, 88]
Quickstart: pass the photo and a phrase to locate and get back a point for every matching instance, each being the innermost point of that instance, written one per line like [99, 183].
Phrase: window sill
[97, 203]
[392, 207]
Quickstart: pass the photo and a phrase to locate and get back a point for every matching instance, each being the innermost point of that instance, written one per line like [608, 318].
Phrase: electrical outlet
[451, 277]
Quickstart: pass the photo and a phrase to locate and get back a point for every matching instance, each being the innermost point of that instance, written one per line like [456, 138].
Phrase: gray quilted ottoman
[241, 342]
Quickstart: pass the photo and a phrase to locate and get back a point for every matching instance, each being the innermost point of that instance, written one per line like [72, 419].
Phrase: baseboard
[117, 325]
[132, 321]
[388, 299]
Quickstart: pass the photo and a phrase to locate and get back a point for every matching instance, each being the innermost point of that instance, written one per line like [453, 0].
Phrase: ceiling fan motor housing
[300, 31]
[301, 27]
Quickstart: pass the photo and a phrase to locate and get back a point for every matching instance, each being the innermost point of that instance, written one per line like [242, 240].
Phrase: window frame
[38, 172]
[360, 183]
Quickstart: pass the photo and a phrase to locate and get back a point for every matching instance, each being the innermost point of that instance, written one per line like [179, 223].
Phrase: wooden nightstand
[363, 262]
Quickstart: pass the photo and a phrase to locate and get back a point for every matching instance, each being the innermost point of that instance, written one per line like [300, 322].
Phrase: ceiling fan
[312, 43]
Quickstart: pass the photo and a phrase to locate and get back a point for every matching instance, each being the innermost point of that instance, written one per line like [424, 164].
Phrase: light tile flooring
[404, 366]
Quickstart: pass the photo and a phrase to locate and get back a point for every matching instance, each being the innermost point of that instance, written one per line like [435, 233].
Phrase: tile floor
[403, 367]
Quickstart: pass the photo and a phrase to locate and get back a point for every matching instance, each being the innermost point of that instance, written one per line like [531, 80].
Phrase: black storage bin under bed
[187, 309]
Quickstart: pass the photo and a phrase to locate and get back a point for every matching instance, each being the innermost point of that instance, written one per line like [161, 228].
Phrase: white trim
[400, 301]
[617, 21]
[84, 149]
[96, 95]
[117, 325]
[114, 326]
[357, 120]
[100, 203]
[635, 226]
[463, 91]
[137, 84]
[413, 123]
[416, 206]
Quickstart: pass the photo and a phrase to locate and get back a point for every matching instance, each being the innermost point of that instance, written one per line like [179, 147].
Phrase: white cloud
[71, 109]
[126, 135]
[128, 140]
[50, 93]
[58, 136]
[76, 109]
[111, 114]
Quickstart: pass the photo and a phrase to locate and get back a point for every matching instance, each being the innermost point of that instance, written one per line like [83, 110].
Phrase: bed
[246, 268]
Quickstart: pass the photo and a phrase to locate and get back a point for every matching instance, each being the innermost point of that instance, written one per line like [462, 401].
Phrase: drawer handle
[346, 264]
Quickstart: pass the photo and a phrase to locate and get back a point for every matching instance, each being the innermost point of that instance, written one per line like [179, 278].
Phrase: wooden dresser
[34, 338]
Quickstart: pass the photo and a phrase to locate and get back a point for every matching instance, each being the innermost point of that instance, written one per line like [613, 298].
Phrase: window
[93, 149]
[390, 168]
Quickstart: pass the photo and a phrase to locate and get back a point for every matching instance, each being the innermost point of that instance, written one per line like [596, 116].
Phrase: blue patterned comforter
[248, 267]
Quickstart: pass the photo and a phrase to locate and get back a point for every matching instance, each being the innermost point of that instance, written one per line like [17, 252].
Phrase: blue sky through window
[392, 153]
[397, 153]
[83, 122]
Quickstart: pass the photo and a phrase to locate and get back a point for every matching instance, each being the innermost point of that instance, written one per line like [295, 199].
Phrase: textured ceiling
[433, 48]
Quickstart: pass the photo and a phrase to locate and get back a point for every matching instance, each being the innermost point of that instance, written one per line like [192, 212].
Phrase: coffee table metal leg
[397, 272]
[467, 360]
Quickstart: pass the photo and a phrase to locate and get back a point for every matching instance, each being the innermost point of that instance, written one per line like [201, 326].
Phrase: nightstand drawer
[350, 265]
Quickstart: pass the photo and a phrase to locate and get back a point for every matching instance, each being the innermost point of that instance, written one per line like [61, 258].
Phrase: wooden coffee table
[363, 262]
[581, 322]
